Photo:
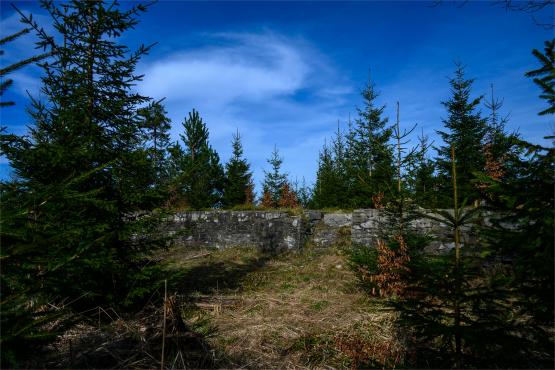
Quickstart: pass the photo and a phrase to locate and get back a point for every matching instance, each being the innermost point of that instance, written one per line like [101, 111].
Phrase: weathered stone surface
[278, 231]
[325, 236]
[332, 228]
[366, 226]
[337, 219]
[270, 231]
[314, 216]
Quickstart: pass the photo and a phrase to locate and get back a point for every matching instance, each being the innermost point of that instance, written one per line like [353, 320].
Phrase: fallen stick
[198, 256]
[164, 325]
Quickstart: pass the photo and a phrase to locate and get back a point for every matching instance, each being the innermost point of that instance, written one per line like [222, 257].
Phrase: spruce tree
[303, 192]
[521, 231]
[196, 135]
[175, 171]
[500, 150]
[488, 307]
[341, 165]
[238, 182]
[423, 182]
[544, 76]
[465, 131]
[89, 122]
[348, 165]
[274, 180]
[372, 153]
[333, 176]
[201, 178]
[156, 126]
[325, 195]
[69, 227]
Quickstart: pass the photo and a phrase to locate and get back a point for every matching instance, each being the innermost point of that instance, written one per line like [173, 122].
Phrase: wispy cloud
[274, 89]
[250, 68]
[25, 45]
[26, 80]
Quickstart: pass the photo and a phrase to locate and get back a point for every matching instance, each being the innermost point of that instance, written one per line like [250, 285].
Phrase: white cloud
[24, 46]
[26, 83]
[274, 89]
[26, 79]
[252, 68]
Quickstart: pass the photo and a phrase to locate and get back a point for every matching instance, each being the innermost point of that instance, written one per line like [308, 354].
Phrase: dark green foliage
[504, 295]
[81, 174]
[238, 181]
[200, 176]
[274, 180]
[27, 326]
[88, 127]
[329, 186]
[544, 76]
[371, 153]
[174, 164]
[501, 152]
[364, 262]
[422, 180]
[156, 126]
[524, 231]
[465, 130]
[490, 328]
[43, 238]
[342, 169]
[332, 179]
[359, 164]
[496, 134]
[385, 268]
[462, 309]
[348, 162]
[196, 135]
[304, 193]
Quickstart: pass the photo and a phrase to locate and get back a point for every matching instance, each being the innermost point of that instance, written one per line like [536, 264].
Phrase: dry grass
[241, 308]
[299, 310]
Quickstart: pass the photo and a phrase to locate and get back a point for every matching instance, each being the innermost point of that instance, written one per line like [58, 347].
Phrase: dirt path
[299, 310]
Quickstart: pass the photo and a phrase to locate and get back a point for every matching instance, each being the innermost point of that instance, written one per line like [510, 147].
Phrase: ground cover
[295, 310]
[240, 308]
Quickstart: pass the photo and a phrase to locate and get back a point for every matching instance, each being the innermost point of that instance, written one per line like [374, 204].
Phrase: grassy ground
[296, 310]
[239, 308]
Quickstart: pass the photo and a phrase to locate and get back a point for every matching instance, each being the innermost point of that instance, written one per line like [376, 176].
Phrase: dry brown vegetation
[242, 308]
[299, 310]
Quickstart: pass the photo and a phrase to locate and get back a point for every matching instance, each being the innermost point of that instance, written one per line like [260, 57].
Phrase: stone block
[337, 219]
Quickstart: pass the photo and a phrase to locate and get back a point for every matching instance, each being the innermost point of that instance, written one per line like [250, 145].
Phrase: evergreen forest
[98, 171]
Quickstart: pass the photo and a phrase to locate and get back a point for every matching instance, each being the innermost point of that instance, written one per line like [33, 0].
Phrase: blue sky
[286, 73]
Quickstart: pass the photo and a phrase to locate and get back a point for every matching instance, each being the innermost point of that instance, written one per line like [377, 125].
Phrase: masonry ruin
[275, 231]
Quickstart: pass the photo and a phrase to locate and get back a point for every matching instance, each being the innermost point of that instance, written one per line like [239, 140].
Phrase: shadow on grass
[216, 276]
[135, 341]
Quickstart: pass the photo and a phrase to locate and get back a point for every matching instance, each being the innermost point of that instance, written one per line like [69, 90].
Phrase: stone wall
[332, 228]
[279, 231]
[366, 225]
[269, 231]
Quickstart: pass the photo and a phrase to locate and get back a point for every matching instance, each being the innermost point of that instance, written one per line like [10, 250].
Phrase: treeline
[94, 177]
[488, 301]
[358, 165]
